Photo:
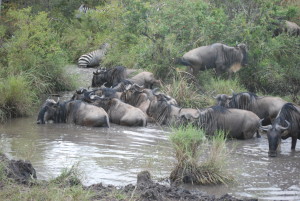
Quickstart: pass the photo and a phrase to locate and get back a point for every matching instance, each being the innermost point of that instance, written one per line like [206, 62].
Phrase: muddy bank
[23, 173]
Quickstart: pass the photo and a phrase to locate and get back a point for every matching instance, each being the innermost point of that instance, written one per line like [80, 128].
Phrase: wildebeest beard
[161, 112]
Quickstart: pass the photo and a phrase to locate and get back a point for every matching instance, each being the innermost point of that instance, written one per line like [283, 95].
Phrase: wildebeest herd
[115, 98]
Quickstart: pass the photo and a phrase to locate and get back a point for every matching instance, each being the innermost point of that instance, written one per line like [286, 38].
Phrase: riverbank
[19, 182]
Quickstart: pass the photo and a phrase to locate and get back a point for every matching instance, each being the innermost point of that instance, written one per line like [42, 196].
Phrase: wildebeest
[109, 77]
[136, 98]
[93, 58]
[121, 113]
[286, 124]
[165, 113]
[239, 124]
[265, 107]
[76, 112]
[288, 27]
[145, 79]
[87, 95]
[221, 57]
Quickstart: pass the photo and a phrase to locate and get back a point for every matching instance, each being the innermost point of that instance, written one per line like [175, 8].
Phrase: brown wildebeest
[218, 56]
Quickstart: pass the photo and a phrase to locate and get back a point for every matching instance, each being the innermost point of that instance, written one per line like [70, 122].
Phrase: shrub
[16, 98]
[35, 51]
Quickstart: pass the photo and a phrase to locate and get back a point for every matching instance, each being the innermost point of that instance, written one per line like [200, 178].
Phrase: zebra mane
[244, 100]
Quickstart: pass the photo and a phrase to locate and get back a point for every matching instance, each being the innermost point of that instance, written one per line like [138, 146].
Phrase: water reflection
[115, 155]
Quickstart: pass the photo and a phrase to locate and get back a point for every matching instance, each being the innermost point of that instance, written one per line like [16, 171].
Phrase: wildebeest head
[243, 48]
[48, 112]
[223, 100]
[159, 109]
[274, 133]
[99, 77]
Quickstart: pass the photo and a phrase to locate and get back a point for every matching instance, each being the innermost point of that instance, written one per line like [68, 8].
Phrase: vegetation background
[38, 38]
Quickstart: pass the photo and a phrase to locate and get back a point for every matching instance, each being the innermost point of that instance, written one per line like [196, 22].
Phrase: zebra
[83, 9]
[93, 58]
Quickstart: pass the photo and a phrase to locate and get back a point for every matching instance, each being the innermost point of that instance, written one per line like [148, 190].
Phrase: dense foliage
[38, 38]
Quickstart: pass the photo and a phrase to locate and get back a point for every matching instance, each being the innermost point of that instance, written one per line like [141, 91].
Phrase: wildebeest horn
[127, 87]
[103, 85]
[283, 128]
[154, 91]
[265, 128]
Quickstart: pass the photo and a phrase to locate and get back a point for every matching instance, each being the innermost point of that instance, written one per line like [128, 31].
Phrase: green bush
[16, 97]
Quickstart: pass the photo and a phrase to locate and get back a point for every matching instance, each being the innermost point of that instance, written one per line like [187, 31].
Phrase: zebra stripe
[93, 58]
[90, 59]
[84, 9]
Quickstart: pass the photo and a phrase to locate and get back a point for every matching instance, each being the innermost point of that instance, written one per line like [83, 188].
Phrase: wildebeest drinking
[286, 124]
[77, 112]
[221, 57]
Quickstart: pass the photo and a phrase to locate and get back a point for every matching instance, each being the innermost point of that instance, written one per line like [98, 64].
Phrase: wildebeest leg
[220, 69]
[294, 141]
[257, 134]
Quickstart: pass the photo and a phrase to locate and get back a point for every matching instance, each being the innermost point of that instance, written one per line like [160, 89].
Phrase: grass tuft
[190, 145]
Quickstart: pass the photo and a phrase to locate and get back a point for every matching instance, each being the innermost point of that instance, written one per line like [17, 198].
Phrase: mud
[146, 189]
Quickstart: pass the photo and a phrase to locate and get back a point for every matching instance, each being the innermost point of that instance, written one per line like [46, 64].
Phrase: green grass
[67, 186]
[190, 145]
[186, 92]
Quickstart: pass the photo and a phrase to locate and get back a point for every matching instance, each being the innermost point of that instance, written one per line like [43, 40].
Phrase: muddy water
[115, 155]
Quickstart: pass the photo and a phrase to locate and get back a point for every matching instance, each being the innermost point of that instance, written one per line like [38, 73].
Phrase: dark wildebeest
[165, 113]
[240, 124]
[121, 113]
[236, 123]
[288, 27]
[221, 57]
[109, 77]
[76, 112]
[265, 107]
[145, 79]
[286, 124]
[87, 95]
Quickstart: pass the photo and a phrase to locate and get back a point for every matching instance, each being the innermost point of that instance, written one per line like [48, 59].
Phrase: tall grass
[190, 144]
[186, 92]
[222, 86]
[16, 97]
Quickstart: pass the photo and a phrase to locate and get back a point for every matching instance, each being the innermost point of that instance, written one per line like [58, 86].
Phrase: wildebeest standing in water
[110, 77]
[265, 107]
[76, 112]
[165, 113]
[121, 113]
[286, 124]
[218, 56]
[239, 124]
